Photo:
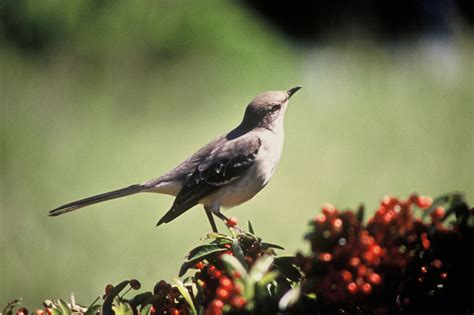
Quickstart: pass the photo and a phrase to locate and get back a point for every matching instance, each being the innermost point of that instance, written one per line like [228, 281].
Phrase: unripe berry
[108, 288]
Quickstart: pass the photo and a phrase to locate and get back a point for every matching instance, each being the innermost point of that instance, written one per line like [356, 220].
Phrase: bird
[224, 173]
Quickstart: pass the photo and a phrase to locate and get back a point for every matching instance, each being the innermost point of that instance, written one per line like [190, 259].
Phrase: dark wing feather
[224, 165]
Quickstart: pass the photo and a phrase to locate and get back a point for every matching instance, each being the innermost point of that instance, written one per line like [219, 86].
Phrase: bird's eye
[276, 107]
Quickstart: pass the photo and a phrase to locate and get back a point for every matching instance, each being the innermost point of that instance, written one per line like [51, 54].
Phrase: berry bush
[413, 256]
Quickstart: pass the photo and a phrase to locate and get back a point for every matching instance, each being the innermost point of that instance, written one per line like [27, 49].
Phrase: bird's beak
[293, 90]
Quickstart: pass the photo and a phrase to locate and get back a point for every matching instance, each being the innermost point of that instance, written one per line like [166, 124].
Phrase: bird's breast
[256, 178]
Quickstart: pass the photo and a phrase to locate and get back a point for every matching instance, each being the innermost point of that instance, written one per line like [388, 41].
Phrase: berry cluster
[168, 300]
[364, 265]
[413, 256]
[221, 291]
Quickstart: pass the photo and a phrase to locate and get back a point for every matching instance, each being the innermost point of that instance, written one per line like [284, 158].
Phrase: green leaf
[122, 308]
[186, 295]
[221, 241]
[290, 298]
[233, 264]
[261, 266]
[197, 254]
[9, 308]
[65, 310]
[140, 299]
[270, 245]
[287, 268]
[92, 310]
[239, 253]
[215, 236]
[145, 310]
[268, 277]
[251, 228]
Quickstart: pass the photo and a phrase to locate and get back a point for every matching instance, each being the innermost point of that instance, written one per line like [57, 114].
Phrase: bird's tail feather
[96, 199]
[172, 214]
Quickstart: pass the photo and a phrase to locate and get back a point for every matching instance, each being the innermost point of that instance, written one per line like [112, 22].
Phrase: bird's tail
[96, 199]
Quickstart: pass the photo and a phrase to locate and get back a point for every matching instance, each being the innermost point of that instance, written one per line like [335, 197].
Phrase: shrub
[412, 256]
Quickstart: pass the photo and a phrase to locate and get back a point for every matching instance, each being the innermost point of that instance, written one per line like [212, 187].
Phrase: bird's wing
[224, 165]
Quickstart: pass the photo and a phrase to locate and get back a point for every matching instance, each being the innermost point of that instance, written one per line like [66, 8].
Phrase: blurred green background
[100, 95]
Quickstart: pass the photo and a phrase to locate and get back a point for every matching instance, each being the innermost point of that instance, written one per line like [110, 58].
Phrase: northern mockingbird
[225, 172]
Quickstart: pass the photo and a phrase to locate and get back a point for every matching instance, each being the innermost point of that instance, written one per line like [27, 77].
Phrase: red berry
[152, 310]
[436, 263]
[352, 288]
[226, 283]
[216, 303]
[424, 202]
[325, 257]
[376, 249]
[211, 269]
[444, 275]
[231, 222]
[425, 241]
[48, 311]
[366, 288]
[438, 213]
[39, 312]
[354, 262]
[217, 274]
[236, 290]
[375, 278]
[320, 219]
[346, 275]
[173, 311]
[238, 302]
[222, 294]
[328, 209]
[362, 270]
[199, 265]
[423, 269]
[337, 224]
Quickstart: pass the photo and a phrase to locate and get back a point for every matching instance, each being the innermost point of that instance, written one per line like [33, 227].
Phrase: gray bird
[225, 172]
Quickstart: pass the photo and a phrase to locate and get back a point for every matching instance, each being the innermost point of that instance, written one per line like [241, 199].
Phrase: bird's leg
[211, 219]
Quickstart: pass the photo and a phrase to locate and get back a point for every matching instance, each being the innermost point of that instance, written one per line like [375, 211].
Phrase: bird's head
[267, 110]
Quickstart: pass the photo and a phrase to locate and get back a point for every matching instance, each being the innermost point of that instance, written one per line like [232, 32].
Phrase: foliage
[412, 256]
